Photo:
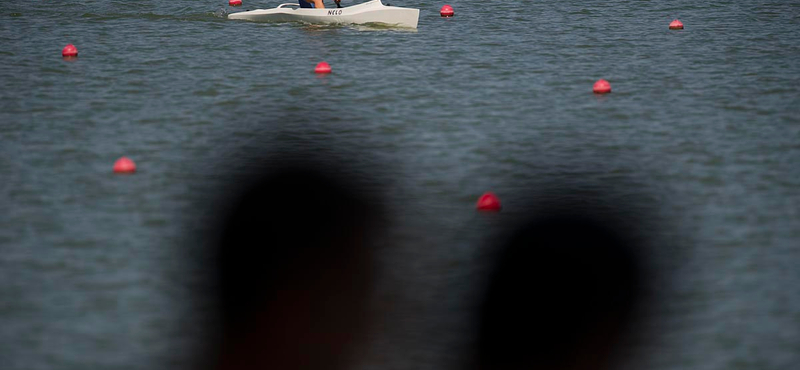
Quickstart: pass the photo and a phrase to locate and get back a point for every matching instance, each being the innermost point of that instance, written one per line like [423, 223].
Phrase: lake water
[703, 125]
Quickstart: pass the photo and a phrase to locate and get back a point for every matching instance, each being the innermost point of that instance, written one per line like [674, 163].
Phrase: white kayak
[370, 12]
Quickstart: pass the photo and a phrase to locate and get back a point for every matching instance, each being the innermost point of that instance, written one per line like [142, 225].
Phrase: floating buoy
[69, 51]
[322, 67]
[447, 11]
[601, 87]
[488, 202]
[124, 165]
[235, 2]
[676, 25]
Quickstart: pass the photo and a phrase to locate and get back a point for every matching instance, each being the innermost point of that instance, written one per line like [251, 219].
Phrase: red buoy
[235, 2]
[447, 11]
[488, 202]
[124, 165]
[676, 25]
[322, 67]
[69, 51]
[601, 87]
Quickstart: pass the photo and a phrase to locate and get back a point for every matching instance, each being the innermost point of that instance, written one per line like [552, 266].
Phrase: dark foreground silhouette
[293, 270]
[563, 291]
[293, 267]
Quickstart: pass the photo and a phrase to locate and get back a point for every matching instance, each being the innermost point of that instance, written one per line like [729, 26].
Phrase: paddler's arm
[318, 4]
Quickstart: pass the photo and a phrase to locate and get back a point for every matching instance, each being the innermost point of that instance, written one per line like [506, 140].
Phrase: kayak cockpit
[370, 12]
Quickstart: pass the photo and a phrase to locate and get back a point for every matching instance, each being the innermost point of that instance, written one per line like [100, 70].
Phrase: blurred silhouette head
[293, 269]
[563, 288]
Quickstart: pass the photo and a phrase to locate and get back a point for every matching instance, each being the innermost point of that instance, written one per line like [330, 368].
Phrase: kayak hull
[370, 12]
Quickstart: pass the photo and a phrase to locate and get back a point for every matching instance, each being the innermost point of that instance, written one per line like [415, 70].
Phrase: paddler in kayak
[316, 4]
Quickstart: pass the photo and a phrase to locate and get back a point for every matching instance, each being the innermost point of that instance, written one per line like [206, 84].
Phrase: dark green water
[703, 125]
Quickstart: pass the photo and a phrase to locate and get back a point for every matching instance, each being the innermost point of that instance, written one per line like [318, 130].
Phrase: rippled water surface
[703, 124]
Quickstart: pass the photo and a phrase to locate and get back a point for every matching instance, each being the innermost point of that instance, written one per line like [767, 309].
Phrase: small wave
[207, 92]
[54, 70]
[381, 27]
[193, 17]
[221, 13]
